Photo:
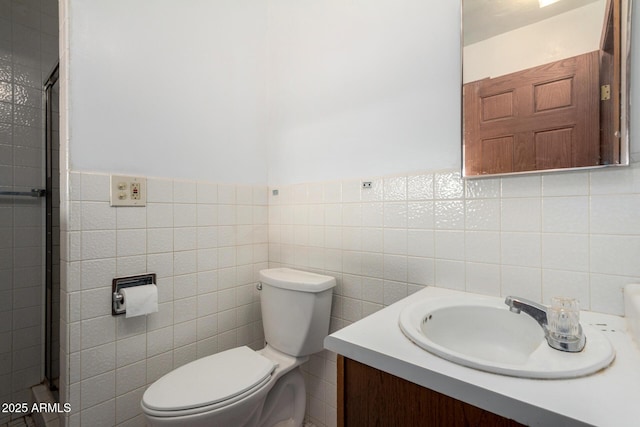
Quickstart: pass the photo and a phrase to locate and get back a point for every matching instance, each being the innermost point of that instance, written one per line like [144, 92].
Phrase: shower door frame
[49, 297]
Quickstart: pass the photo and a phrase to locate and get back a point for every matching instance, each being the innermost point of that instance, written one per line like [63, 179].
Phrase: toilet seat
[208, 383]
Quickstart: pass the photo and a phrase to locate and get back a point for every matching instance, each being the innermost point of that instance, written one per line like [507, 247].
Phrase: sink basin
[481, 333]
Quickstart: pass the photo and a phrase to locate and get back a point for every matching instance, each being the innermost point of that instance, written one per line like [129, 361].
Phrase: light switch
[128, 190]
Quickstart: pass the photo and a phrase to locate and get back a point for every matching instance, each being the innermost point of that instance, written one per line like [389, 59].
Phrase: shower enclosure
[29, 200]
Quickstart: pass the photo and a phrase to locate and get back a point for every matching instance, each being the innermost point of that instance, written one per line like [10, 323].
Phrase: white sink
[481, 333]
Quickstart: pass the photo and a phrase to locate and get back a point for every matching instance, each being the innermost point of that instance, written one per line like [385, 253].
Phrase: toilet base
[286, 402]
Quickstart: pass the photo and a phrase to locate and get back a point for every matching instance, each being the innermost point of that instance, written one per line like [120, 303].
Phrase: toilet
[242, 387]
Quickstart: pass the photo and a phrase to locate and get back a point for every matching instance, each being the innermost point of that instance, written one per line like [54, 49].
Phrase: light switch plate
[128, 190]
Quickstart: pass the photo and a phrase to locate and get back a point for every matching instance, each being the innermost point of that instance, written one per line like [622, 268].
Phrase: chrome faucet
[569, 343]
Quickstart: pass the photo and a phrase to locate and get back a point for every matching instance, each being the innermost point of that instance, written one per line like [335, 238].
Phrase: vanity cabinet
[370, 397]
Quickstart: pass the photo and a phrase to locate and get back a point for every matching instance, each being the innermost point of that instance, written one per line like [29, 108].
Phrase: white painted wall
[563, 36]
[247, 91]
[166, 88]
[362, 88]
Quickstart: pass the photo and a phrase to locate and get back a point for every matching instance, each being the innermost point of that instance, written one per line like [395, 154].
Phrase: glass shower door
[52, 244]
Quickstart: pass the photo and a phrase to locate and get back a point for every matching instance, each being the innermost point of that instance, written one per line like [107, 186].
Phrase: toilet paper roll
[139, 300]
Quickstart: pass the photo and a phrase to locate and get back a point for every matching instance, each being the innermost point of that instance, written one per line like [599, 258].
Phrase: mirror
[545, 85]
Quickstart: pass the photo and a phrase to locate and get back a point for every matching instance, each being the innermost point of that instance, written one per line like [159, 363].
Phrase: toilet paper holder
[118, 283]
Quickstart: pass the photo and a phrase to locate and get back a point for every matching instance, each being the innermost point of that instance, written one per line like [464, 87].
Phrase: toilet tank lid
[304, 281]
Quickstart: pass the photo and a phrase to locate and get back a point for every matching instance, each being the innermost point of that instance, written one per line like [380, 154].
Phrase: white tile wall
[530, 236]
[204, 241]
[574, 233]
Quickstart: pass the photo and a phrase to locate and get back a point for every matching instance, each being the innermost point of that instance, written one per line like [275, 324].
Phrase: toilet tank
[296, 309]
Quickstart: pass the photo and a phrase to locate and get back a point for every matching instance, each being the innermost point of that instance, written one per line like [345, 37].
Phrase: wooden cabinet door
[368, 397]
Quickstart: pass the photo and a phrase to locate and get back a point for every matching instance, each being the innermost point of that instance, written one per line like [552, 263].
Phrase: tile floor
[21, 422]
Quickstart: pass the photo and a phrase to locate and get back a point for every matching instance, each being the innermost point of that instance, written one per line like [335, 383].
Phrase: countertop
[610, 397]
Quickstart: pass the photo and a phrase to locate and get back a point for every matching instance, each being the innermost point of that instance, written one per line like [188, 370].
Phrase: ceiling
[483, 19]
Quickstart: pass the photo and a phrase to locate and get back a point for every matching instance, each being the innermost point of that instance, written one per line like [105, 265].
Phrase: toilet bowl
[245, 388]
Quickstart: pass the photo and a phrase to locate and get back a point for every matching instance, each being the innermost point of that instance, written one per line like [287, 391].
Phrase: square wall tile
[98, 331]
[450, 274]
[95, 187]
[131, 242]
[482, 247]
[98, 244]
[184, 191]
[521, 214]
[372, 214]
[565, 184]
[332, 192]
[522, 186]
[482, 214]
[420, 214]
[350, 191]
[395, 188]
[206, 193]
[395, 241]
[565, 214]
[244, 194]
[420, 187]
[615, 214]
[482, 188]
[448, 185]
[565, 251]
[483, 278]
[159, 215]
[420, 271]
[98, 216]
[523, 249]
[226, 194]
[395, 214]
[134, 217]
[615, 255]
[450, 245]
[420, 243]
[449, 215]
[159, 190]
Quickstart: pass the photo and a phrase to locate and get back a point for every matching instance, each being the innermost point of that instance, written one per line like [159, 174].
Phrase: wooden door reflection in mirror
[560, 114]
